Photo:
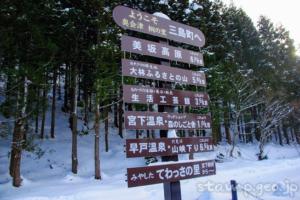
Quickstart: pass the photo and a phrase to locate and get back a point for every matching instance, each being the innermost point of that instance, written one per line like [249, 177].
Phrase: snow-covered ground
[50, 176]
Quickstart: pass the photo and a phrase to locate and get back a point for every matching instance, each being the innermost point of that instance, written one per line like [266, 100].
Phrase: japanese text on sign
[144, 47]
[165, 121]
[147, 95]
[159, 72]
[167, 146]
[143, 22]
[169, 173]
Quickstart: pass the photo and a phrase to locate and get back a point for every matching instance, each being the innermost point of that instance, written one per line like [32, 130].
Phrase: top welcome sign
[135, 20]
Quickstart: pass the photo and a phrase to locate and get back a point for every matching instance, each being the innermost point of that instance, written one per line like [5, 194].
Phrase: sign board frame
[134, 20]
[140, 176]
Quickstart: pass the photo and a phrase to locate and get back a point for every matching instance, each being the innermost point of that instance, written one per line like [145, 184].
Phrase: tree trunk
[44, 110]
[297, 134]
[276, 137]
[97, 135]
[18, 134]
[15, 147]
[74, 119]
[16, 153]
[261, 150]
[216, 134]
[257, 132]
[78, 87]
[59, 85]
[106, 129]
[53, 110]
[292, 134]
[120, 115]
[66, 89]
[116, 113]
[90, 102]
[227, 122]
[241, 139]
[37, 111]
[235, 135]
[279, 136]
[8, 92]
[86, 106]
[285, 133]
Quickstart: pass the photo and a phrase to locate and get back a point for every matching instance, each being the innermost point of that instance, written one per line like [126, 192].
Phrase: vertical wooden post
[233, 190]
[172, 190]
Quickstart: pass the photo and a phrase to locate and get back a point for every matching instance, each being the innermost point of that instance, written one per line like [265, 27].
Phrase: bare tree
[269, 119]
[244, 97]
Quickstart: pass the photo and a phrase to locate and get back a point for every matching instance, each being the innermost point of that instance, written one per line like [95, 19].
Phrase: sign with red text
[152, 71]
[148, 95]
[158, 50]
[167, 146]
[135, 20]
[140, 176]
[164, 121]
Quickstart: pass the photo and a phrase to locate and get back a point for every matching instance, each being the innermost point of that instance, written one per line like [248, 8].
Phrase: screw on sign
[145, 47]
[140, 176]
[152, 71]
[148, 95]
[135, 20]
[167, 146]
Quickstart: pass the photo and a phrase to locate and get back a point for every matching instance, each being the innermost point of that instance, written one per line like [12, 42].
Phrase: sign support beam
[172, 190]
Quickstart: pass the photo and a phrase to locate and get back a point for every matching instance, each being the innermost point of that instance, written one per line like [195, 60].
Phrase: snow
[163, 2]
[50, 177]
[172, 133]
[162, 15]
[187, 11]
[196, 6]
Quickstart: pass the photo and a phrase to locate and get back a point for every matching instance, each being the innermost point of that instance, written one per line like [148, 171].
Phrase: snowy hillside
[50, 178]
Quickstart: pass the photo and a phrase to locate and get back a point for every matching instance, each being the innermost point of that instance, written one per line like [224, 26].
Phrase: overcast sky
[285, 12]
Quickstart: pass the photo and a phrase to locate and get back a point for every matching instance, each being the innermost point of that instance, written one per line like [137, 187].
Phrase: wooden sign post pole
[172, 190]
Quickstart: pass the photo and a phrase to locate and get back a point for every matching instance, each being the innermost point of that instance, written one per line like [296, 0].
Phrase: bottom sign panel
[140, 176]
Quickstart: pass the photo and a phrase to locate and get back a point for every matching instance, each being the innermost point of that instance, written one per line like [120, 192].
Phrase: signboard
[165, 121]
[167, 146]
[135, 20]
[151, 71]
[140, 176]
[169, 174]
[145, 47]
[148, 95]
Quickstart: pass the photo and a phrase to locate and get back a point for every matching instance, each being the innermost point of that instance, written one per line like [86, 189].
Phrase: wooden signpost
[166, 98]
